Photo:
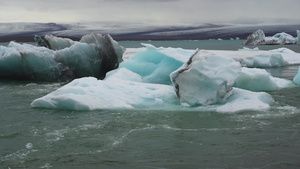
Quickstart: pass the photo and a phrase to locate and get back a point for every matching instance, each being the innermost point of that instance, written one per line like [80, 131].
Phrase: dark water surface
[63, 139]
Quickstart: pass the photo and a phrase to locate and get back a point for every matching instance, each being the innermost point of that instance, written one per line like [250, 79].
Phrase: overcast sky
[151, 11]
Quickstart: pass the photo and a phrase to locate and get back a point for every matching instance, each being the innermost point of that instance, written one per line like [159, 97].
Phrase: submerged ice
[174, 78]
[61, 59]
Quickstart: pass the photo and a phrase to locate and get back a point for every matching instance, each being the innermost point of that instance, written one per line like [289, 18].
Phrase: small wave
[121, 139]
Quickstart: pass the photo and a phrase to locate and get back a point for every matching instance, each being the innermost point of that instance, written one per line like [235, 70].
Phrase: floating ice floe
[143, 81]
[259, 38]
[90, 94]
[64, 59]
[254, 79]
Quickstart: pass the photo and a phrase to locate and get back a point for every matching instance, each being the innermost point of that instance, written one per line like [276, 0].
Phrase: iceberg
[259, 38]
[124, 90]
[255, 36]
[88, 93]
[61, 59]
[187, 80]
[284, 38]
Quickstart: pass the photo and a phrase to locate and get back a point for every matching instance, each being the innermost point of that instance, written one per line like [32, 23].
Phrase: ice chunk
[259, 38]
[41, 42]
[284, 38]
[205, 79]
[255, 36]
[156, 64]
[57, 43]
[29, 62]
[125, 74]
[257, 58]
[178, 54]
[264, 61]
[297, 77]
[283, 50]
[90, 94]
[243, 100]
[260, 80]
[83, 59]
[94, 57]
[110, 50]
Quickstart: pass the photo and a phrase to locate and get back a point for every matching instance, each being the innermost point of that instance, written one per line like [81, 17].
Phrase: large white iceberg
[90, 94]
[205, 79]
[93, 56]
[124, 90]
[259, 38]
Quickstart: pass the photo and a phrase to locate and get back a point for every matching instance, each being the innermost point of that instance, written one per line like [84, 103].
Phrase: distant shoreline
[25, 33]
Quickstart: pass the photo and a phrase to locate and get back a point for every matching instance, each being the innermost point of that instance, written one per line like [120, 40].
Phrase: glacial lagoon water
[46, 138]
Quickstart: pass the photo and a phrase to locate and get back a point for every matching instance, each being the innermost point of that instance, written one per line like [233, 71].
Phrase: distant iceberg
[198, 80]
[60, 59]
[259, 38]
[298, 37]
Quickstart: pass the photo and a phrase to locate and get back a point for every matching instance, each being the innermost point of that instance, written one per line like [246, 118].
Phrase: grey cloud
[152, 11]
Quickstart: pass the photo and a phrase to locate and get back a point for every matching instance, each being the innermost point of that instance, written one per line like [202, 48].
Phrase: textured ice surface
[260, 58]
[260, 80]
[255, 36]
[155, 65]
[243, 100]
[94, 56]
[58, 43]
[205, 79]
[90, 94]
[28, 62]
